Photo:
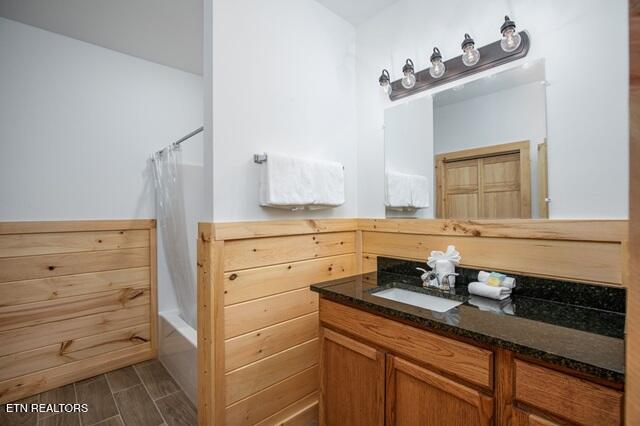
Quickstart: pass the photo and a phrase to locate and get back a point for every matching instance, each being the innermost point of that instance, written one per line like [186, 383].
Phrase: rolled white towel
[509, 282]
[484, 290]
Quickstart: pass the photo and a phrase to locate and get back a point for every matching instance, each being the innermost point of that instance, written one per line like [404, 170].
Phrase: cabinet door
[352, 382]
[523, 418]
[417, 396]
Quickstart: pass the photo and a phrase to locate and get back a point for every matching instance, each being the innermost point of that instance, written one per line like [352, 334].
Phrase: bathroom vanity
[550, 357]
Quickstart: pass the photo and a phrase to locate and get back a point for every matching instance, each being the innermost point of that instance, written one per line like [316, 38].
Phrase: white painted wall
[409, 146]
[77, 125]
[510, 115]
[587, 108]
[283, 81]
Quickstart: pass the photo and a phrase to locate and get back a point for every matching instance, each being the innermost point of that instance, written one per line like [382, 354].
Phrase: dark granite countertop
[582, 338]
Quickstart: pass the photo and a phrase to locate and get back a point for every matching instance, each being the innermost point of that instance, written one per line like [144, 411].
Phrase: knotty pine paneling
[255, 306]
[599, 262]
[45, 357]
[254, 377]
[70, 242]
[253, 253]
[271, 400]
[256, 314]
[52, 265]
[52, 288]
[256, 283]
[259, 344]
[267, 315]
[76, 299]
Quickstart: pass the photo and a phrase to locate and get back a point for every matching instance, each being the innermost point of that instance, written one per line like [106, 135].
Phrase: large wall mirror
[490, 147]
[486, 142]
[542, 137]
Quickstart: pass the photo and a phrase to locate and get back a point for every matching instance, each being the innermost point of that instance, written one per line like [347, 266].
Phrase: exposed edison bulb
[385, 82]
[408, 81]
[470, 55]
[437, 66]
[409, 78]
[510, 38]
[510, 41]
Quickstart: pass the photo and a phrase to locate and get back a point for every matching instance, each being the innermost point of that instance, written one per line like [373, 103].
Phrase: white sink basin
[433, 303]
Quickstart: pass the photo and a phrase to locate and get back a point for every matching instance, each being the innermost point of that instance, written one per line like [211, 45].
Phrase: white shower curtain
[173, 230]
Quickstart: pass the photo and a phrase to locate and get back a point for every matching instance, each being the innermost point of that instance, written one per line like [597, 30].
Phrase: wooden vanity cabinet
[378, 371]
[567, 397]
[418, 396]
[362, 385]
[351, 382]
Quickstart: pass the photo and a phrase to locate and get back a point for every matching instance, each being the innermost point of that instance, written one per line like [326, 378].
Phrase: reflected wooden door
[486, 183]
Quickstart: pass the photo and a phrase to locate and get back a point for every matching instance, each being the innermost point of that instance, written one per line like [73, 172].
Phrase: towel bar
[262, 158]
[259, 158]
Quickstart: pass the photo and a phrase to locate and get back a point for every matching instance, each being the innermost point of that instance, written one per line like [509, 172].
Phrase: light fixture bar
[491, 56]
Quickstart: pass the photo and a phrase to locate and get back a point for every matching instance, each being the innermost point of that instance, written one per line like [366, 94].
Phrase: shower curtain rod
[185, 137]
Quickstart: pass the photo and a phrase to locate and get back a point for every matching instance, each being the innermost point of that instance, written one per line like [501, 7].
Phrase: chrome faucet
[431, 276]
[428, 277]
[446, 282]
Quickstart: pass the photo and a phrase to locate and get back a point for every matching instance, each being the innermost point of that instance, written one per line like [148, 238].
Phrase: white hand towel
[397, 190]
[452, 255]
[285, 182]
[509, 282]
[327, 183]
[484, 290]
[420, 195]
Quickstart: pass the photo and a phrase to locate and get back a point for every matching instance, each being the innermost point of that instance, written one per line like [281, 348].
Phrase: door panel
[523, 418]
[462, 206]
[352, 382]
[462, 176]
[461, 189]
[488, 183]
[420, 397]
[501, 205]
[501, 170]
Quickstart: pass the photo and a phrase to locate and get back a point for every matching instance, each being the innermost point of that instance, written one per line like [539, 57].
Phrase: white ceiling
[356, 11]
[168, 32]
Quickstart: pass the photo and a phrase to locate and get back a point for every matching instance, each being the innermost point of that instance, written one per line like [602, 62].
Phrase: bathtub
[178, 350]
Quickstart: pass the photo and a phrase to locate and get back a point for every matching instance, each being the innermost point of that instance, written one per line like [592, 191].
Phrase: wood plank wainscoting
[77, 298]
[258, 321]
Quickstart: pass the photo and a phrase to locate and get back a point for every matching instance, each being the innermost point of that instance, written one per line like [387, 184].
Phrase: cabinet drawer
[466, 361]
[567, 397]
[523, 418]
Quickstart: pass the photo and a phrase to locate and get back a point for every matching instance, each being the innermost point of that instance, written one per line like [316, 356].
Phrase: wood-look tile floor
[140, 395]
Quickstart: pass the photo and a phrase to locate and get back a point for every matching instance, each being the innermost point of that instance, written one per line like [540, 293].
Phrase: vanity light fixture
[385, 82]
[437, 66]
[510, 38]
[511, 47]
[470, 55]
[409, 79]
